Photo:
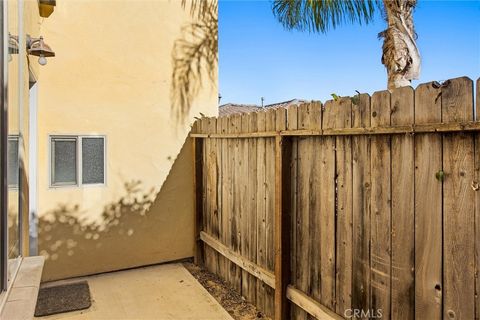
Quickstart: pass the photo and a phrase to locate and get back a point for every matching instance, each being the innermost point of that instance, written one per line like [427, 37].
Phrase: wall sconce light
[12, 44]
[37, 47]
[46, 7]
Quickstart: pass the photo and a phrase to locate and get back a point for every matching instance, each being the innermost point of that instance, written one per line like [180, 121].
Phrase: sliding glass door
[12, 64]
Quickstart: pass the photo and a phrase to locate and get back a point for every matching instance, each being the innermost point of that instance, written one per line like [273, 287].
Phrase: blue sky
[258, 57]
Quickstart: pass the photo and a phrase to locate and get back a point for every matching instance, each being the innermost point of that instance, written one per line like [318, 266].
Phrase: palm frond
[200, 8]
[194, 56]
[320, 15]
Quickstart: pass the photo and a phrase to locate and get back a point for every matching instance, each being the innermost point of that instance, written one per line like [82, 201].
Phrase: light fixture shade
[40, 48]
[12, 45]
[46, 7]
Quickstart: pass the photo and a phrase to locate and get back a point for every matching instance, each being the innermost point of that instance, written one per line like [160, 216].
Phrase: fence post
[282, 229]
[197, 146]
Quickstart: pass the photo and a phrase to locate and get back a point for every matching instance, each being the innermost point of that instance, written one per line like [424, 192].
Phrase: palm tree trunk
[400, 52]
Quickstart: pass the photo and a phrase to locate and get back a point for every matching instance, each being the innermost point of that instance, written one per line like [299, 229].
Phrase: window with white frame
[77, 160]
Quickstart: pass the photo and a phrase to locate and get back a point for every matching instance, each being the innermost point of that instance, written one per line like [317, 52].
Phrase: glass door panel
[14, 63]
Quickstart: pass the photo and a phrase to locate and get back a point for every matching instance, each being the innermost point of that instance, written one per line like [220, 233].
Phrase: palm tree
[400, 53]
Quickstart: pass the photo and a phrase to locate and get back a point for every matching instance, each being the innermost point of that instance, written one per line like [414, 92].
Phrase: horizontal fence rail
[365, 207]
[419, 128]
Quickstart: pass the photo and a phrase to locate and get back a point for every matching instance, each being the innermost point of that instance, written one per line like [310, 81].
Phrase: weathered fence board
[246, 265]
[403, 207]
[461, 126]
[476, 188]
[282, 228]
[344, 223]
[261, 212]
[305, 302]
[252, 205]
[270, 124]
[244, 208]
[236, 273]
[380, 254]
[327, 210]
[213, 183]
[227, 194]
[361, 186]
[458, 204]
[224, 264]
[292, 124]
[315, 186]
[428, 214]
[312, 121]
[209, 192]
[197, 146]
[302, 239]
[375, 199]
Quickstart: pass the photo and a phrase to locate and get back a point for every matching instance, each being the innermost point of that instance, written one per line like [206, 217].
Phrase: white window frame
[79, 142]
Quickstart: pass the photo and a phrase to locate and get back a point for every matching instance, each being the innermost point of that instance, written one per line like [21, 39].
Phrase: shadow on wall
[64, 220]
[140, 228]
[194, 56]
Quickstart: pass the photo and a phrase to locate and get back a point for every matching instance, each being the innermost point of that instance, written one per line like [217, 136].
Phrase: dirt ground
[231, 301]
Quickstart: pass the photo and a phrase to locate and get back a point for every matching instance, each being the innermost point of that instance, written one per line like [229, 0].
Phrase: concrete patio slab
[159, 292]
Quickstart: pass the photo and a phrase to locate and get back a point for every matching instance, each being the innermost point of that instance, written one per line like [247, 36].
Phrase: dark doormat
[63, 298]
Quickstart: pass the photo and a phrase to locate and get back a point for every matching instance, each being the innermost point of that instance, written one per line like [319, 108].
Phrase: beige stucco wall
[111, 76]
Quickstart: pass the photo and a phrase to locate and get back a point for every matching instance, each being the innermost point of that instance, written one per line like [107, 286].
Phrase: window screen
[64, 161]
[93, 162]
[12, 162]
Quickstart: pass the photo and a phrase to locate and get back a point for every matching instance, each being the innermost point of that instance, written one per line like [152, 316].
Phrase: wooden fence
[363, 207]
